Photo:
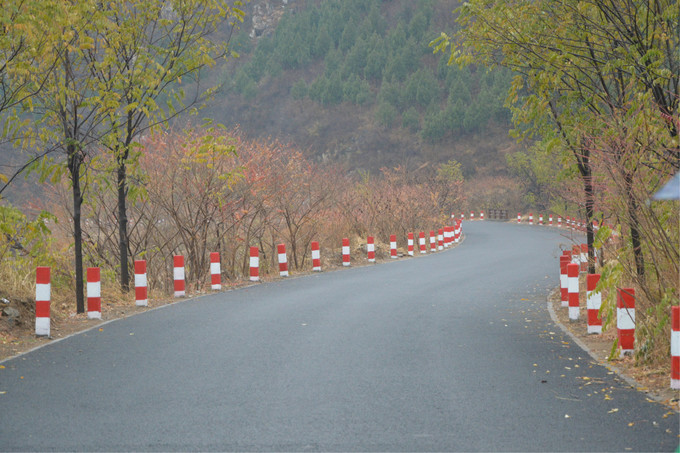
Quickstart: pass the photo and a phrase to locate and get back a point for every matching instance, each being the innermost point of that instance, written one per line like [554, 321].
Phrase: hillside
[355, 82]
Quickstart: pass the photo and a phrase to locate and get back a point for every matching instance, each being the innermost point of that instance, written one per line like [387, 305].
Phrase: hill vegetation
[356, 81]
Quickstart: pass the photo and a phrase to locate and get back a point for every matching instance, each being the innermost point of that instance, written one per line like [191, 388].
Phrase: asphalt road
[447, 352]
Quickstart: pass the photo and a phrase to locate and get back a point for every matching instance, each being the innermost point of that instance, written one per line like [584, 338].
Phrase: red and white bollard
[178, 274]
[94, 293]
[462, 216]
[572, 284]
[519, 218]
[564, 282]
[345, 252]
[559, 222]
[316, 257]
[433, 242]
[472, 215]
[141, 298]
[550, 220]
[440, 239]
[576, 254]
[215, 271]
[42, 301]
[625, 320]
[593, 303]
[421, 242]
[447, 236]
[370, 249]
[254, 264]
[481, 215]
[459, 229]
[410, 244]
[540, 219]
[675, 347]
[531, 218]
[283, 260]
[393, 246]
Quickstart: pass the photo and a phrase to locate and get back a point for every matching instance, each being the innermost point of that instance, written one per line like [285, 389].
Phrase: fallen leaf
[566, 416]
[631, 423]
[616, 409]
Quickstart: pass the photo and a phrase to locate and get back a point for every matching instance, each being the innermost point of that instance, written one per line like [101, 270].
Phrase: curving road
[446, 352]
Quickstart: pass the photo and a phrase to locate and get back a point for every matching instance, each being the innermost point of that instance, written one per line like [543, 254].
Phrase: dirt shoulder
[653, 381]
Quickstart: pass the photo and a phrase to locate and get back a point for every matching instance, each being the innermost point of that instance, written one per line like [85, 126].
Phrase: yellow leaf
[616, 409]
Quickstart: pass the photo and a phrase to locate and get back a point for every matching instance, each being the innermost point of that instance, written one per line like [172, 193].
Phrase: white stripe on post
[410, 244]
[94, 293]
[178, 273]
[572, 285]
[345, 252]
[675, 347]
[42, 301]
[141, 298]
[393, 246]
[370, 249]
[283, 260]
[215, 271]
[593, 304]
[625, 320]
[254, 264]
[316, 257]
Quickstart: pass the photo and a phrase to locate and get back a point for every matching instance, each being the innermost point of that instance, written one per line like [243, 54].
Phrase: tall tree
[579, 61]
[151, 52]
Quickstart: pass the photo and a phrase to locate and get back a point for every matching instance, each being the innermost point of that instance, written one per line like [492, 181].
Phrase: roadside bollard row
[446, 237]
[571, 263]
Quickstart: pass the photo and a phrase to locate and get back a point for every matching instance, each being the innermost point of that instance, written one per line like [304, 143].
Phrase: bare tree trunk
[123, 240]
[74, 165]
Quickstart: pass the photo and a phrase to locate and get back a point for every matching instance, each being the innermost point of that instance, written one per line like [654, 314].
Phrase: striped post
[459, 229]
[540, 219]
[572, 285]
[625, 319]
[481, 215]
[675, 347]
[564, 288]
[215, 271]
[393, 246]
[316, 257]
[254, 264]
[519, 218]
[421, 242]
[440, 239]
[94, 293]
[559, 222]
[462, 216]
[433, 243]
[472, 215]
[42, 301]
[531, 218]
[370, 249]
[141, 298]
[345, 252]
[550, 220]
[410, 244]
[178, 274]
[283, 260]
[447, 236]
[593, 303]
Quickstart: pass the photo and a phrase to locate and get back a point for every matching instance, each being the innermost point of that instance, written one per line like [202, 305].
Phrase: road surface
[446, 352]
